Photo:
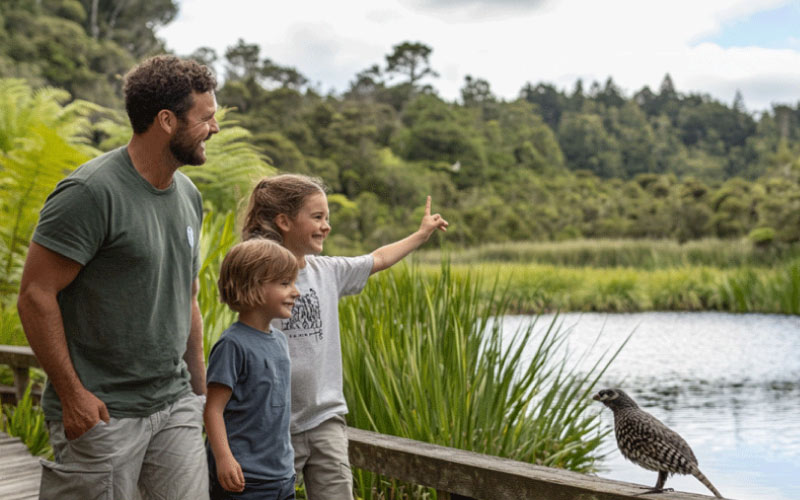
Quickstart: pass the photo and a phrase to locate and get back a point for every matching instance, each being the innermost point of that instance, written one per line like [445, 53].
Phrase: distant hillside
[549, 165]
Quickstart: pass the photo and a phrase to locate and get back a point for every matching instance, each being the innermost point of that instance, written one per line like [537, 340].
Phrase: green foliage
[534, 288]
[762, 236]
[233, 167]
[604, 253]
[413, 340]
[547, 166]
[47, 45]
[534, 152]
[129, 24]
[216, 238]
[41, 140]
[27, 422]
[10, 327]
[411, 60]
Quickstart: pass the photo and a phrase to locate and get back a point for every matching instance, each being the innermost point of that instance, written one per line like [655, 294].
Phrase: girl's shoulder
[345, 273]
[326, 261]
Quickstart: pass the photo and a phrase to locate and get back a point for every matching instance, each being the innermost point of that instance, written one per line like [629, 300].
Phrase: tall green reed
[639, 253]
[217, 237]
[26, 421]
[425, 358]
[537, 288]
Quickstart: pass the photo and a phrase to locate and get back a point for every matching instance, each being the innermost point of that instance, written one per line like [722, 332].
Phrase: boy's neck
[254, 319]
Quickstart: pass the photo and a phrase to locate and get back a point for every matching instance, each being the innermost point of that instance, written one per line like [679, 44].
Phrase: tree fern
[41, 140]
[233, 166]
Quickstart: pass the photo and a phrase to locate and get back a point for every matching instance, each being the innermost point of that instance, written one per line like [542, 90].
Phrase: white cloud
[507, 43]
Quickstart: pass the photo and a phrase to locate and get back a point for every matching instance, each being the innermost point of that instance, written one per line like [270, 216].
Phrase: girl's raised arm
[389, 255]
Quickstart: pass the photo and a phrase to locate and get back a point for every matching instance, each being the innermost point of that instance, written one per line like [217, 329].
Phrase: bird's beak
[596, 397]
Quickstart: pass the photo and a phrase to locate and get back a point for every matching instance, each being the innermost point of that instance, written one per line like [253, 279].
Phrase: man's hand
[431, 223]
[82, 412]
[229, 473]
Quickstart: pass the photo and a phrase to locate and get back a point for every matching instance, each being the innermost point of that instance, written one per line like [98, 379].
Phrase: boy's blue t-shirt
[256, 366]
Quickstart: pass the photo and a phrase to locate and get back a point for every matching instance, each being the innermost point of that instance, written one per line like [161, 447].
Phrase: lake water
[728, 383]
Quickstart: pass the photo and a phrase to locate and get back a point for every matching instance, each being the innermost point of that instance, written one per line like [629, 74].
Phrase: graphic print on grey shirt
[306, 320]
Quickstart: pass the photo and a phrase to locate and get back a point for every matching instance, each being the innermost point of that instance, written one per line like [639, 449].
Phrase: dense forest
[551, 164]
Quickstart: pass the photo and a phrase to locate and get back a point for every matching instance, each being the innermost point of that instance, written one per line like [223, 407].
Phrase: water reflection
[728, 383]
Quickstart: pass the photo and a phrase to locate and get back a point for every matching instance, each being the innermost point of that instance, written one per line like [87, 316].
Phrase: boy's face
[308, 230]
[279, 297]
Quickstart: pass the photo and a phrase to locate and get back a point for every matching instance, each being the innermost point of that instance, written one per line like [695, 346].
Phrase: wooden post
[20, 359]
[21, 377]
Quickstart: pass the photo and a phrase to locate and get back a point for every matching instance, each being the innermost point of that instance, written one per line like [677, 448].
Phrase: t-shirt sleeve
[71, 222]
[352, 273]
[225, 362]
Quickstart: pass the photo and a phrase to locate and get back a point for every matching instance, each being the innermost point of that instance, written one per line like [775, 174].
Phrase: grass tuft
[426, 359]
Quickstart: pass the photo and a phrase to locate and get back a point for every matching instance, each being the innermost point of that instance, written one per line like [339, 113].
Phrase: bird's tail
[703, 479]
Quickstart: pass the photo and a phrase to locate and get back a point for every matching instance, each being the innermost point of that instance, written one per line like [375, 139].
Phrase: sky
[713, 47]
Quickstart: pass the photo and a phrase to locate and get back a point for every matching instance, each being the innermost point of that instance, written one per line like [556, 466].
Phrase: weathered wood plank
[20, 472]
[20, 359]
[20, 356]
[479, 476]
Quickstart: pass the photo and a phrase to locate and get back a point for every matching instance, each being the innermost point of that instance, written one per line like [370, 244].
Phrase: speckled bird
[647, 442]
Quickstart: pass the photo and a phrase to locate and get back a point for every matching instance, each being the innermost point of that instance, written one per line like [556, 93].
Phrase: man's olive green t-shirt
[127, 314]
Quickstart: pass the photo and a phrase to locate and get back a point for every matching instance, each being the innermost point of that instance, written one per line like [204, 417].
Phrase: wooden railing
[456, 474]
[463, 474]
[21, 360]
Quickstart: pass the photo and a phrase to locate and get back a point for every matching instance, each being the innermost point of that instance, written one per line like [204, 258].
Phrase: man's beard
[185, 150]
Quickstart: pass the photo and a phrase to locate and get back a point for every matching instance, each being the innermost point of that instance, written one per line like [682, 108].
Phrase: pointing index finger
[428, 205]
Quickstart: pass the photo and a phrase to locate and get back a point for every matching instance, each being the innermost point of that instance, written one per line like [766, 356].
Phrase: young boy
[247, 411]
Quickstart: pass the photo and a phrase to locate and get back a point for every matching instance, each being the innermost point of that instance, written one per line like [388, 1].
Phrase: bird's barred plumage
[646, 441]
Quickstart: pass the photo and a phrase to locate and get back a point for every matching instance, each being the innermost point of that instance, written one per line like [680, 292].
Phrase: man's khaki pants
[161, 456]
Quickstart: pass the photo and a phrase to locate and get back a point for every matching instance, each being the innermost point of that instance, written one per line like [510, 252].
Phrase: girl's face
[308, 230]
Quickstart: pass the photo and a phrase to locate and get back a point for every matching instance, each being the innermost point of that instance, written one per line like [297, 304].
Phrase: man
[108, 301]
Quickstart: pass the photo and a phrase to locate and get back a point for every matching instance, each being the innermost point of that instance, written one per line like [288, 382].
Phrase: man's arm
[45, 274]
[389, 255]
[194, 346]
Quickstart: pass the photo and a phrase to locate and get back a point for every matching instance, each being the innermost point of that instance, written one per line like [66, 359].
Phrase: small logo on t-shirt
[190, 236]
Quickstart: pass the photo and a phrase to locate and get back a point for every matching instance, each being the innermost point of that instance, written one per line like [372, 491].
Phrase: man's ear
[167, 120]
[283, 222]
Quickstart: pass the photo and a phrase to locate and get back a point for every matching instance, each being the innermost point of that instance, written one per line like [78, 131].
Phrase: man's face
[188, 145]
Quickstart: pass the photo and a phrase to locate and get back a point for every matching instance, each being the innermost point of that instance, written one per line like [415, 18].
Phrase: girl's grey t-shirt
[313, 334]
[256, 366]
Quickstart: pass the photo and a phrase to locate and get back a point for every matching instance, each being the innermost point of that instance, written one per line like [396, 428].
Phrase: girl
[293, 210]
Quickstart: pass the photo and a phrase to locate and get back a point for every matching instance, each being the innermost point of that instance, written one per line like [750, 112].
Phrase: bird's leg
[662, 478]
[659, 488]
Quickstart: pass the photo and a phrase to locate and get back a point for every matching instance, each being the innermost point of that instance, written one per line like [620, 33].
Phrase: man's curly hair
[164, 82]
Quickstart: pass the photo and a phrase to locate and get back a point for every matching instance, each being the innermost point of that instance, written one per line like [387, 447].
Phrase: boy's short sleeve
[71, 222]
[225, 362]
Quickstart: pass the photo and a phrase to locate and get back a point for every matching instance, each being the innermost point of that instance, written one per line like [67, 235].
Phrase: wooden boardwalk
[19, 471]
